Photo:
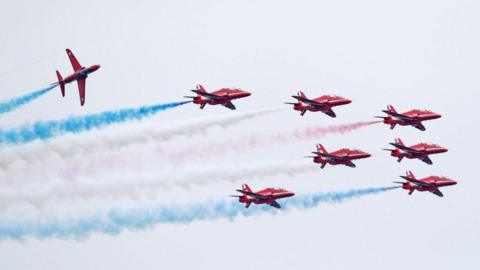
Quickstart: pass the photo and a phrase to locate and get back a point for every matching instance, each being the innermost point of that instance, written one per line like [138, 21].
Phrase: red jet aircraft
[418, 151]
[411, 118]
[431, 183]
[264, 196]
[222, 97]
[80, 75]
[323, 104]
[343, 156]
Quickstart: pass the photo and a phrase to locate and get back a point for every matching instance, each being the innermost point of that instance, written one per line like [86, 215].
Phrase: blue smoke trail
[116, 220]
[12, 104]
[43, 130]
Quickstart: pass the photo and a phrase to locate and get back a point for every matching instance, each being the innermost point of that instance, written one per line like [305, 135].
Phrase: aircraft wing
[330, 156]
[229, 105]
[405, 148]
[275, 204]
[350, 164]
[81, 90]
[437, 192]
[309, 101]
[330, 113]
[427, 160]
[417, 182]
[73, 60]
[208, 95]
[397, 115]
[420, 126]
[253, 194]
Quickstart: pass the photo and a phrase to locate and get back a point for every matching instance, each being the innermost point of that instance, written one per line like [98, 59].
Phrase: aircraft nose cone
[347, 101]
[436, 115]
[246, 94]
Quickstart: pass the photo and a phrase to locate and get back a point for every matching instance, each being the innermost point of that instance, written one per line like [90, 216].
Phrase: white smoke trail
[121, 137]
[152, 154]
[143, 184]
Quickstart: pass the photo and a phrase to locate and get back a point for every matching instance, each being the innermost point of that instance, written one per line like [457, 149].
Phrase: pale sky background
[407, 53]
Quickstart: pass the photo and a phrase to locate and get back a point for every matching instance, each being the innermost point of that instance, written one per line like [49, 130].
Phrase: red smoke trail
[255, 140]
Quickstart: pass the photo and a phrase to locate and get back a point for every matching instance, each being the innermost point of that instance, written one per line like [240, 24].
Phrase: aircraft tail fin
[410, 175]
[301, 94]
[245, 187]
[321, 149]
[61, 83]
[200, 88]
[399, 142]
[390, 108]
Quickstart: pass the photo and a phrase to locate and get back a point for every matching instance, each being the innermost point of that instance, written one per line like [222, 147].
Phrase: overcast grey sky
[406, 53]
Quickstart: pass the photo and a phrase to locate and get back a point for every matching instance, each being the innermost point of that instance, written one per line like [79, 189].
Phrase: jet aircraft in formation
[223, 96]
[343, 156]
[265, 196]
[320, 104]
[431, 183]
[418, 151]
[413, 117]
[80, 74]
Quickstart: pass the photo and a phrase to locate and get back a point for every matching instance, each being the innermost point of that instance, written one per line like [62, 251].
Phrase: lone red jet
[411, 118]
[418, 151]
[222, 96]
[80, 75]
[343, 156]
[431, 183]
[264, 196]
[323, 104]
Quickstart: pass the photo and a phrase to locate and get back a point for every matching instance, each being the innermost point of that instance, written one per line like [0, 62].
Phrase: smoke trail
[117, 220]
[42, 130]
[337, 197]
[122, 137]
[135, 185]
[256, 140]
[14, 103]
[14, 161]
